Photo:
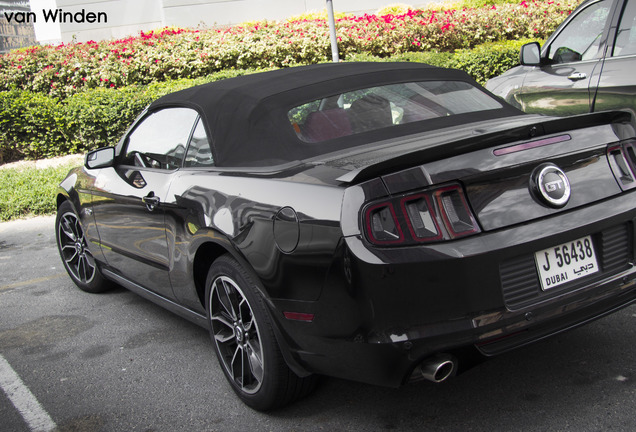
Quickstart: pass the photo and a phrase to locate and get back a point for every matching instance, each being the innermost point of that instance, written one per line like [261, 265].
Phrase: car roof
[262, 85]
[246, 117]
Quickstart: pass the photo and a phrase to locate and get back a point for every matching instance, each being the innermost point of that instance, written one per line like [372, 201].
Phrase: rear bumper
[384, 311]
[539, 322]
[391, 362]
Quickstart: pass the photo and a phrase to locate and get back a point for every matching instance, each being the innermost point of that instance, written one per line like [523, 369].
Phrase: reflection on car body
[376, 222]
[585, 66]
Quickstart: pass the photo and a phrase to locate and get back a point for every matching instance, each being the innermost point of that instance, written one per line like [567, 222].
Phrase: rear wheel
[77, 258]
[244, 340]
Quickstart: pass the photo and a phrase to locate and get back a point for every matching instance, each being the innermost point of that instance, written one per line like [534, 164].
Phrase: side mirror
[101, 158]
[530, 54]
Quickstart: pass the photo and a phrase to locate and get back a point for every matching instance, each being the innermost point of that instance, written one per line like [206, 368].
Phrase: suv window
[160, 139]
[625, 43]
[581, 38]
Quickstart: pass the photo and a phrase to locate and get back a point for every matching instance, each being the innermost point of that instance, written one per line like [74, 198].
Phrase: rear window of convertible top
[384, 106]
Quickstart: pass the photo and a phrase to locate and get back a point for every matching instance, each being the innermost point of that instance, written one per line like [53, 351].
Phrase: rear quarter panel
[285, 231]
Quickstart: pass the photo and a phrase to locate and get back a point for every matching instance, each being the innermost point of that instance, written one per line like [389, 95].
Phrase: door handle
[577, 76]
[151, 201]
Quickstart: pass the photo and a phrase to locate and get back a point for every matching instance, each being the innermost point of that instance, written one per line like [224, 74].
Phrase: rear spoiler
[479, 136]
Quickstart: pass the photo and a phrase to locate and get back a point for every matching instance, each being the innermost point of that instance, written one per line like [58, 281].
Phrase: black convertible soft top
[246, 117]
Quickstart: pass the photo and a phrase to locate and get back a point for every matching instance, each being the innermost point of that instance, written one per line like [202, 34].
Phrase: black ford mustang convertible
[376, 222]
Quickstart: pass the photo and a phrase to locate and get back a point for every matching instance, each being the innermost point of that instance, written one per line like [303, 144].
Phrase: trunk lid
[498, 164]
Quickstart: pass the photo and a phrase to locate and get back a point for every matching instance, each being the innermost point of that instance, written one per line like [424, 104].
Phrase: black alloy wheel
[236, 335]
[244, 340]
[76, 256]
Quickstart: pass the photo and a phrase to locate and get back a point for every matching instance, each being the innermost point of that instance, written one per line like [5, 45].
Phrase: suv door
[617, 86]
[570, 61]
[129, 198]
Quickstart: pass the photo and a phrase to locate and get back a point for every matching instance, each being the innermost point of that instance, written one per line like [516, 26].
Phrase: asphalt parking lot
[72, 361]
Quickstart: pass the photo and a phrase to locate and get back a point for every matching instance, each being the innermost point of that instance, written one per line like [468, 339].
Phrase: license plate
[566, 262]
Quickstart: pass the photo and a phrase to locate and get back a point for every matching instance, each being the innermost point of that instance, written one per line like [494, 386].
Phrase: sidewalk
[14, 228]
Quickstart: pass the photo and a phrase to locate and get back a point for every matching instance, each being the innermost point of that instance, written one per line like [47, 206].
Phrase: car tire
[244, 340]
[73, 248]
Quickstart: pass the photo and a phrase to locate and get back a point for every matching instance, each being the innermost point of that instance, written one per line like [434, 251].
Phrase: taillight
[458, 219]
[433, 215]
[421, 217]
[382, 224]
[622, 159]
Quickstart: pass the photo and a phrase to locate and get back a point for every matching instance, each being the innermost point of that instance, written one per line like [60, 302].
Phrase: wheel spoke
[237, 363]
[65, 252]
[255, 360]
[224, 299]
[224, 337]
[66, 228]
[81, 269]
[233, 301]
[246, 378]
[241, 306]
[87, 269]
[224, 320]
[224, 334]
[89, 259]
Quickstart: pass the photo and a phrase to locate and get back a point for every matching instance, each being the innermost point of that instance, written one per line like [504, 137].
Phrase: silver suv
[588, 64]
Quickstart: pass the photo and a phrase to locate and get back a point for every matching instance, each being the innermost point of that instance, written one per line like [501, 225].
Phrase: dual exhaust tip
[437, 369]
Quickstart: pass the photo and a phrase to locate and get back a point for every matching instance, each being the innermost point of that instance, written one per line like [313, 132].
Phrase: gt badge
[550, 185]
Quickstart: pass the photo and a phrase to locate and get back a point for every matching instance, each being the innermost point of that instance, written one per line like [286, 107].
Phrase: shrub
[178, 53]
[481, 63]
[33, 125]
[314, 15]
[441, 59]
[394, 9]
[488, 60]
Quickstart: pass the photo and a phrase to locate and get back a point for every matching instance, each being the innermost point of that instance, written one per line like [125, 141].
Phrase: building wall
[12, 34]
[125, 18]
[129, 17]
[223, 12]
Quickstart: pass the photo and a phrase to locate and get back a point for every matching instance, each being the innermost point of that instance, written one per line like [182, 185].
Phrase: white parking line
[21, 397]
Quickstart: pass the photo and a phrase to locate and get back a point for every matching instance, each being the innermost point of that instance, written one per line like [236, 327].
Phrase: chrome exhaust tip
[438, 368]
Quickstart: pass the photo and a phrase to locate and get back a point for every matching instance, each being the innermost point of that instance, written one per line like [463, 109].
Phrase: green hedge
[488, 60]
[33, 125]
[482, 63]
[171, 53]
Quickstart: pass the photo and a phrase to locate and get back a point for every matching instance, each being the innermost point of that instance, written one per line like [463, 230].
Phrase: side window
[160, 140]
[199, 152]
[625, 43]
[581, 38]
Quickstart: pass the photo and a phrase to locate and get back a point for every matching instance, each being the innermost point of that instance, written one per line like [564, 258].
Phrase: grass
[29, 191]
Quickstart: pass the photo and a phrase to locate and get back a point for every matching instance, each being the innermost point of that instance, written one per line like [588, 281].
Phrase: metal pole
[332, 31]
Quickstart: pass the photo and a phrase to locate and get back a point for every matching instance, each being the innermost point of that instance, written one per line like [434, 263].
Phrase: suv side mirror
[101, 158]
[530, 54]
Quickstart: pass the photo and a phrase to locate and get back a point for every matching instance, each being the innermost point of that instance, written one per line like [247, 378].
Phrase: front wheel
[77, 258]
[244, 340]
